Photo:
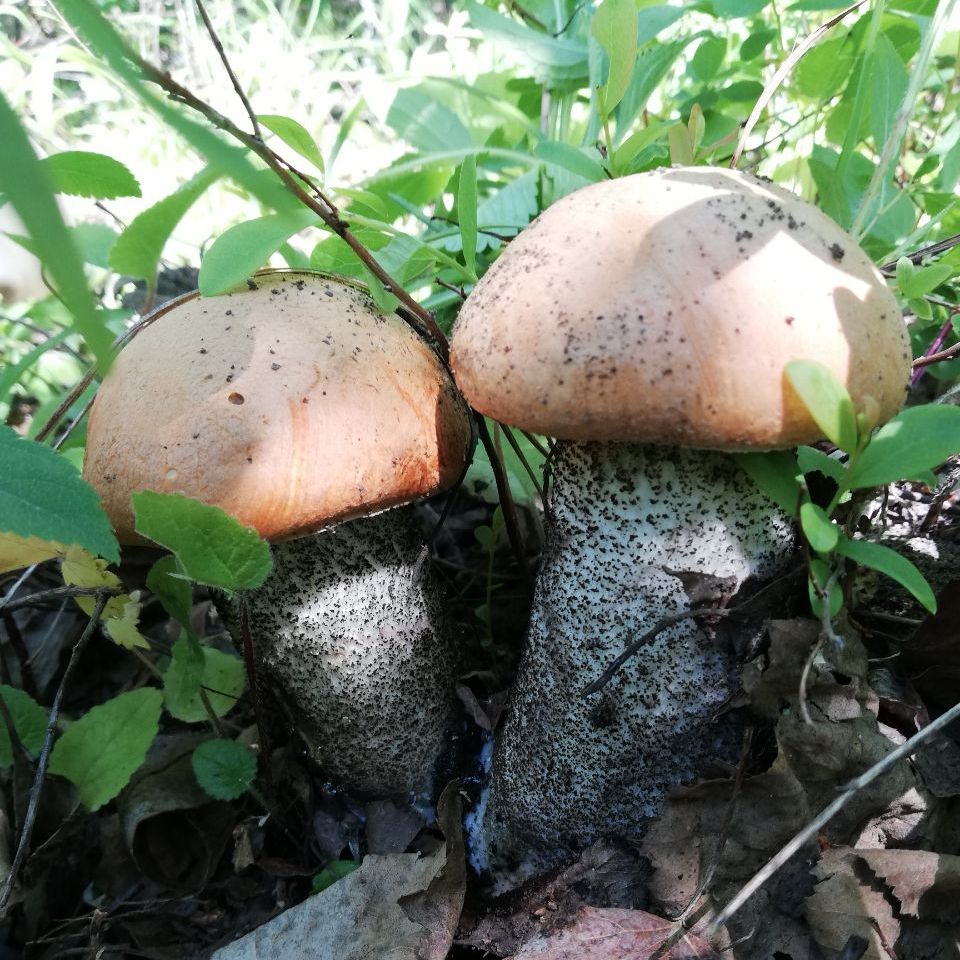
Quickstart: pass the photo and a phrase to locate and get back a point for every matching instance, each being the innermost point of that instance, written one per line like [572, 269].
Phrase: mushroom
[646, 322]
[297, 406]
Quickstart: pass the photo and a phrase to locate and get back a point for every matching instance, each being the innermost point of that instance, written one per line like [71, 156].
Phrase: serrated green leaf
[242, 250]
[775, 474]
[821, 534]
[28, 186]
[809, 459]
[826, 400]
[224, 768]
[570, 158]
[294, 135]
[211, 547]
[168, 585]
[105, 747]
[889, 562]
[139, 248]
[615, 28]
[42, 496]
[80, 173]
[29, 720]
[467, 211]
[331, 873]
[914, 441]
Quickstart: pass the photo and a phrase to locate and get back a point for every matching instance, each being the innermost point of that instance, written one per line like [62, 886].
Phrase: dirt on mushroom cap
[291, 403]
[664, 306]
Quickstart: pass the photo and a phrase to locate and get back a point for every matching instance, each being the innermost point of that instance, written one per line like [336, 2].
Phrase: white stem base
[349, 627]
[627, 522]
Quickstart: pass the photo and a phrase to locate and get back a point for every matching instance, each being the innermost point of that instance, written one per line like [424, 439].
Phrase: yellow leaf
[18, 552]
[123, 630]
[81, 569]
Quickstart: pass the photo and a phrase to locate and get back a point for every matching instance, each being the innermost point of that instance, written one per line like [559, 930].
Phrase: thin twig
[57, 593]
[773, 84]
[226, 65]
[949, 354]
[668, 621]
[320, 204]
[459, 291]
[26, 833]
[812, 829]
[916, 258]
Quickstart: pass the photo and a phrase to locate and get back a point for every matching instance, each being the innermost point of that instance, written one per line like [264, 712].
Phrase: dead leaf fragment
[613, 934]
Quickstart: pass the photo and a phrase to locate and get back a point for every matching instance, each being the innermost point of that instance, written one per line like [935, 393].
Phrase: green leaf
[28, 185]
[820, 532]
[182, 679]
[243, 249]
[166, 582]
[889, 562]
[333, 872]
[105, 747]
[572, 159]
[211, 546]
[918, 282]
[733, 9]
[615, 28]
[811, 460]
[94, 242]
[80, 173]
[775, 474]
[417, 117]
[889, 80]
[29, 720]
[825, 69]
[553, 60]
[42, 496]
[467, 211]
[708, 58]
[294, 135]
[193, 665]
[914, 441]
[651, 67]
[107, 45]
[826, 399]
[139, 248]
[224, 768]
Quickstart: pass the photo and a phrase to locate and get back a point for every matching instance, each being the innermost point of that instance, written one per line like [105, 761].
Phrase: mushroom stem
[636, 533]
[350, 630]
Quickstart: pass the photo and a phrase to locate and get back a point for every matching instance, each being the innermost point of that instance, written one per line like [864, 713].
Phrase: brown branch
[58, 593]
[226, 65]
[320, 204]
[924, 252]
[949, 354]
[26, 833]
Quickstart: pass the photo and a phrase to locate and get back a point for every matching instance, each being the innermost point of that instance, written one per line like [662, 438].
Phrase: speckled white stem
[349, 626]
[625, 520]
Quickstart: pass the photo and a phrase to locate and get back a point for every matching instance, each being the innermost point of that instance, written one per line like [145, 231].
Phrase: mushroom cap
[663, 307]
[292, 403]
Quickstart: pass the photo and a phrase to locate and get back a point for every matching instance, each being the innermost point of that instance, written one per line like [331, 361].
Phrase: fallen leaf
[613, 934]
[926, 884]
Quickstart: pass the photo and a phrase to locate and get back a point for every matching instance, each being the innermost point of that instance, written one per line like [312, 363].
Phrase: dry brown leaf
[845, 904]
[926, 884]
[612, 934]
[395, 907]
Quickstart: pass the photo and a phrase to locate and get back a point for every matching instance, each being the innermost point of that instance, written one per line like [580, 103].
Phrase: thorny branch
[23, 847]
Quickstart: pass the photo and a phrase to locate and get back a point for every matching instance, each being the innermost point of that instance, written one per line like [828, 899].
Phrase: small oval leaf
[826, 399]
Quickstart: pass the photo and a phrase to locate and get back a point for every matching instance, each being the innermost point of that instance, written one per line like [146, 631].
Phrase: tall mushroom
[647, 321]
[295, 404]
